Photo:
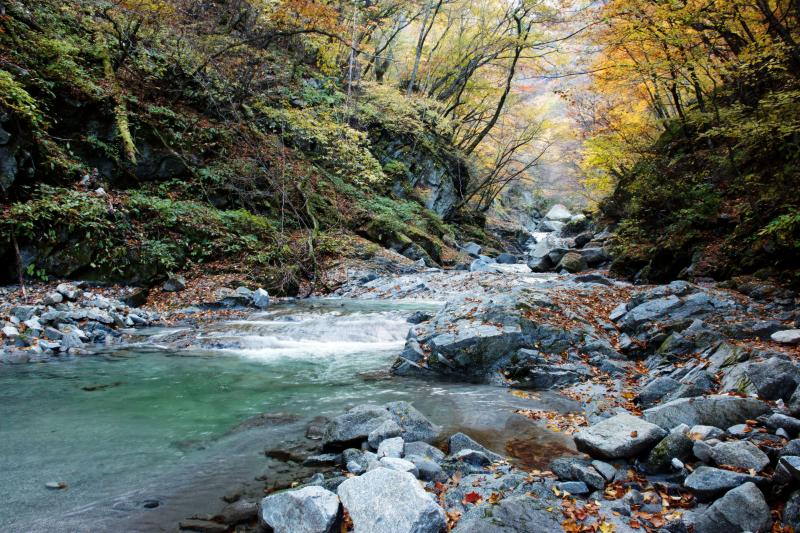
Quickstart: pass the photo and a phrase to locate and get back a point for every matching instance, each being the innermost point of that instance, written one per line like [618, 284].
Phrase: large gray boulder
[618, 437]
[515, 514]
[311, 509]
[354, 426]
[740, 454]
[741, 509]
[558, 212]
[357, 424]
[787, 336]
[389, 501]
[676, 445]
[714, 410]
[708, 483]
[459, 442]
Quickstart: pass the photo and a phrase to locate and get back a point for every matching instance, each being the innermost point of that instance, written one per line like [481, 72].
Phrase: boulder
[620, 436]
[558, 212]
[792, 465]
[354, 426]
[774, 378]
[708, 483]
[655, 390]
[481, 265]
[423, 449]
[540, 264]
[575, 469]
[174, 284]
[416, 427]
[676, 445]
[516, 513]
[401, 465]
[470, 457]
[391, 448]
[427, 468]
[790, 424]
[787, 336]
[53, 298]
[311, 509]
[260, 298]
[387, 429]
[718, 410]
[506, 259]
[573, 262]
[459, 441]
[740, 454]
[471, 248]
[68, 291]
[389, 501]
[595, 256]
[741, 509]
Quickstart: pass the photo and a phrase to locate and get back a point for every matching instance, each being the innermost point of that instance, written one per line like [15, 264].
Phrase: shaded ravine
[149, 435]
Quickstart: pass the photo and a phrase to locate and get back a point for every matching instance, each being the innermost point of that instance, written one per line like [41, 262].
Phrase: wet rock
[388, 501]
[470, 457]
[739, 454]
[310, 509]
[788, 336]
[391, 447]
[323, 459]
[741, 509]
[387, 429]
[708, 482]
[238, 512]
[202, 526]
[459, 441]
[709, 410]
[620, 436]
[174, 284]
[540, 264]
[418, 317]
[791, 513]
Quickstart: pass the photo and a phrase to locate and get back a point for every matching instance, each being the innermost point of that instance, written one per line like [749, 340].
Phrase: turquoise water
[129, 426]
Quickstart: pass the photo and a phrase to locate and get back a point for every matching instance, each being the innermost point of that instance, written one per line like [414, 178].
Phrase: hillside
[143, 139]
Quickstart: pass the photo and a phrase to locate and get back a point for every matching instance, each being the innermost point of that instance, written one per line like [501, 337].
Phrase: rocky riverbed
[686, 415]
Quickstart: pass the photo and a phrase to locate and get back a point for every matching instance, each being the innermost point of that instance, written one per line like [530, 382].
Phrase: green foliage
[14, 97]
[338, 147]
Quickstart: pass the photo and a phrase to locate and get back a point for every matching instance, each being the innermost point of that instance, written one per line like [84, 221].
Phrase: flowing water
[144, 437]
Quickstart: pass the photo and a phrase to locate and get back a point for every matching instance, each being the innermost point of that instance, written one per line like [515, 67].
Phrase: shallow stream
[144, 437]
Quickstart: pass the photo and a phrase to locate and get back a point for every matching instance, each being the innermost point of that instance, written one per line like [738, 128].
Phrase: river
[146, 436]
